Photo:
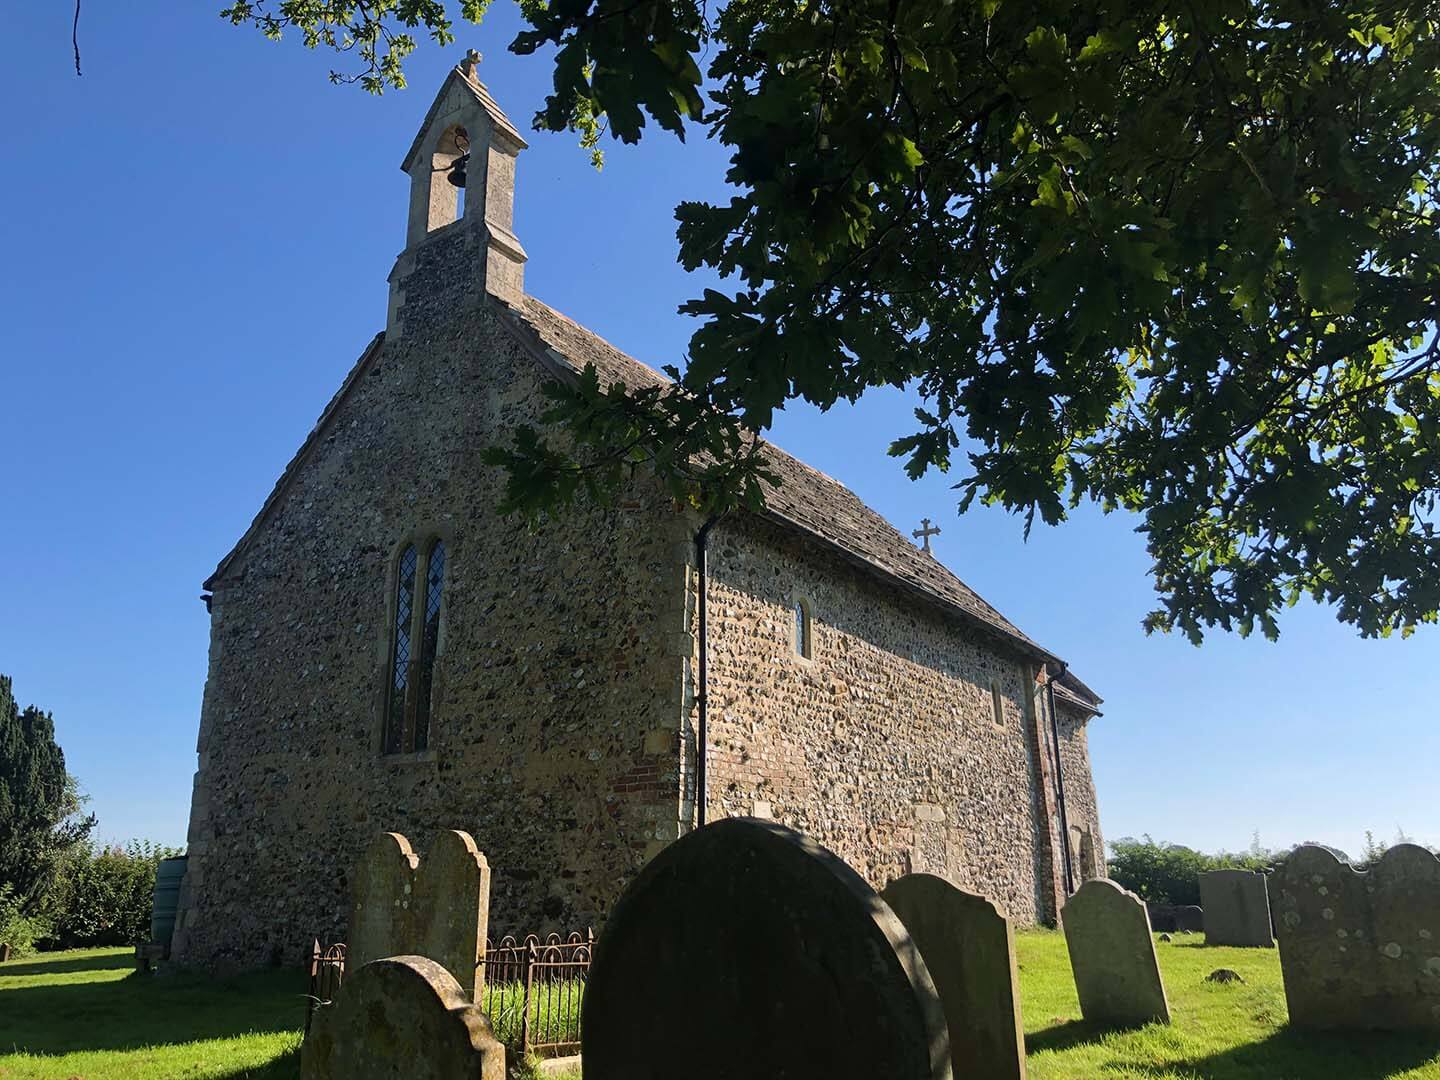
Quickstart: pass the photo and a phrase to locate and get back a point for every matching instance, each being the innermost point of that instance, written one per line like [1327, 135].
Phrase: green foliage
[105, 895]
[1375, 849]
[40, 820]
[1177, 259]
[1169, 873]
[17, 929]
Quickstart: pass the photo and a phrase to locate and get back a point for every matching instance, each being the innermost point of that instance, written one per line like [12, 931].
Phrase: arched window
[802, 629]
[415, 640]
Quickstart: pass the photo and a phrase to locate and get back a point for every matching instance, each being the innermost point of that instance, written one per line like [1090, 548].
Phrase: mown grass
[86, 1016]
[1219, 1031]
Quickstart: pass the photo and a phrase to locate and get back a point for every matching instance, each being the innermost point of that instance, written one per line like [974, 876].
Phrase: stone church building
[387, 653]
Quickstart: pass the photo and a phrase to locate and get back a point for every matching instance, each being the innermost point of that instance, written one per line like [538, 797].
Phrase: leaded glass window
[415, 642]
[400, 653]
[430, 640]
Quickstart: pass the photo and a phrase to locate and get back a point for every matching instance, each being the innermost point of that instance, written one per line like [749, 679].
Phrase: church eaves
[807, 499]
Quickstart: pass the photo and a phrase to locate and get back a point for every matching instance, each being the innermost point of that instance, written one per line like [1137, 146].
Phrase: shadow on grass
[1064, 1036]
[1295, 1054]
[148, 1010]
[64, 967]
[284, 1067]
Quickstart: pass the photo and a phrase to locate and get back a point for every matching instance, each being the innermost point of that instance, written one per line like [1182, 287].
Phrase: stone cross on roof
[925, 532]
[470, 63]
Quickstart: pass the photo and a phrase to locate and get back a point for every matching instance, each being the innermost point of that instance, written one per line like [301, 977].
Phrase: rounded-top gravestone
[403, 1016]
[745, 949]
[1112, 954]
[969, 950]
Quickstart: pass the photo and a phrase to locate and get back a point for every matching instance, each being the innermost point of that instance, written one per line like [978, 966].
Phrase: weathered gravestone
[1237, 908]
[1189, 919]
[1175, 918]
[404, 1016]
[1162, 917]
[745, 949]
[436, 906]
[1113, 956]
[969, 950]
[1360, 949]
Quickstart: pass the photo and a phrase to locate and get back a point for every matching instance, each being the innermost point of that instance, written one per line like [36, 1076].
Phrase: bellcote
[465, 135]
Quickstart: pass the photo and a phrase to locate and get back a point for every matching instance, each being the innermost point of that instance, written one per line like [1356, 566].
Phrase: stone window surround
[802, 652]
[997, 701]
[422, 537]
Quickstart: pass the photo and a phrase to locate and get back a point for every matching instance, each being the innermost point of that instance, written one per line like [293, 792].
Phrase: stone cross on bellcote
[924, 533]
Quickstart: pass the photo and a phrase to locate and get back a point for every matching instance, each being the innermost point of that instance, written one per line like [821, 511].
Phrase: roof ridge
[886, 550]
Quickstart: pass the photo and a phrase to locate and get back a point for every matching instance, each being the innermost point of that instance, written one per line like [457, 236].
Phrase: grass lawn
[1220, 1031]
[85, 1016]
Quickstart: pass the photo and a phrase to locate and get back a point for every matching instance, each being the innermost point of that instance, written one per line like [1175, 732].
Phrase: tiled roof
[806, 498]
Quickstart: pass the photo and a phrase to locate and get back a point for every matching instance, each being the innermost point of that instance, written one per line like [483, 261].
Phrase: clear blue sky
[196, 238]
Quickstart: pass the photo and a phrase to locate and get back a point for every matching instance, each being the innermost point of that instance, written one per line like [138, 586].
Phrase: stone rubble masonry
[1112, 954]
[1237, 908]
[563, 723]
[401, 1016]
[882, 745]
[746, 949]
[1360, 950]
[556, 665]
[437, 906]
[969, 950]
[1082, 811]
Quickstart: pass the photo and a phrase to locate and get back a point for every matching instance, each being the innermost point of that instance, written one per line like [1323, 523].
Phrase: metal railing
[327, 972]
[533, 990]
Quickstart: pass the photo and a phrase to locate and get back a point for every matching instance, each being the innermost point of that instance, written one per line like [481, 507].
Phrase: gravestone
[382, 887]
[1360, 950]
[969, 950]
[436, 905]
[1189, 919]
[1162, 917]
[1113, 956]
[746, 949]
[401, 1016]
[1175, 918]
[1237, 908]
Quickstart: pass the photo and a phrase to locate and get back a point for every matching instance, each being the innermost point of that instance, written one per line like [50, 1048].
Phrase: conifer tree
[40, 803]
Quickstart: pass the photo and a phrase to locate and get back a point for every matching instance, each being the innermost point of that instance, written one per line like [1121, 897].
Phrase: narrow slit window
[997, 702]
[802, 629]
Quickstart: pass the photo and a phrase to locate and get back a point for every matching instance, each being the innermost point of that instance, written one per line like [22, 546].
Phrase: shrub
[1170, 873]
[17, 930]
[105, 895]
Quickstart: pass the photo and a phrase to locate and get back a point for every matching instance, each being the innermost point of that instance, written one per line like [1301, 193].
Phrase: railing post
[525, 1032]
[312, 998]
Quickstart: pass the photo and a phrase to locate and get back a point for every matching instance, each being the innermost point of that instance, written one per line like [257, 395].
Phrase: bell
[456, 175]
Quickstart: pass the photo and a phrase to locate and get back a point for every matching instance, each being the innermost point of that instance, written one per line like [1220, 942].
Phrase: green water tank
[167, 898]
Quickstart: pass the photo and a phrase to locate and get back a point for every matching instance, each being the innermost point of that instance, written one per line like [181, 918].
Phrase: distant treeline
[1169, 873]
